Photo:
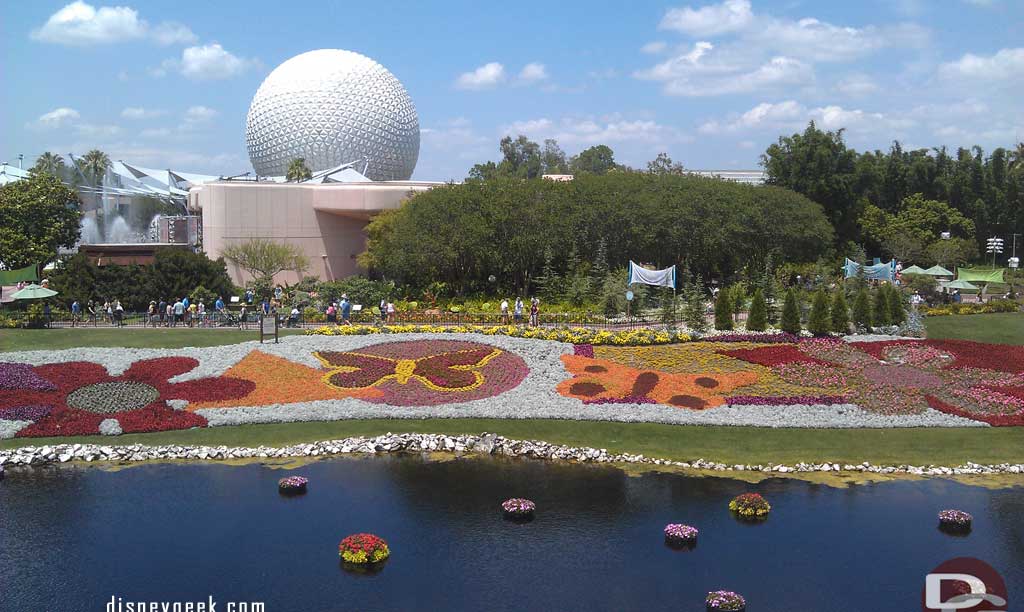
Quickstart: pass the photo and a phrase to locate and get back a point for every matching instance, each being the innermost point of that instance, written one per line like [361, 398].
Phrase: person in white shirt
[504, 311]
[517, 311]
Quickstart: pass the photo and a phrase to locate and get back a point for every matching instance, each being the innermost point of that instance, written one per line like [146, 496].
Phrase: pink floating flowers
[955, 520]
[292, 485]
[518, 507]
[725, 600]
[679, 534]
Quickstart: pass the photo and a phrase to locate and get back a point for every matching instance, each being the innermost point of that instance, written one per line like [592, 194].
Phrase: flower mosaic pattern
[79, 396]
[424, 373]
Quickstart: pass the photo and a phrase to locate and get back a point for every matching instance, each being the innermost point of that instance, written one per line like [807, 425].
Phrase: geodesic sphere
[331, 107]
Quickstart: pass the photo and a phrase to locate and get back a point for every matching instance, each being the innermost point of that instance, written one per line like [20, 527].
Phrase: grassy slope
[726, 444]
[1001, 328]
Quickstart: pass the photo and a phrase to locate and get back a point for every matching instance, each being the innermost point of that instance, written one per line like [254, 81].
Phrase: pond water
[73, 537]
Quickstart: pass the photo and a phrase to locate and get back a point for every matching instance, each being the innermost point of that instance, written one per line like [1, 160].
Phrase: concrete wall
[326, 221]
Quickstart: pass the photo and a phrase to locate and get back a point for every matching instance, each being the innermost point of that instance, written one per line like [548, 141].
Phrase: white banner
[659, 278]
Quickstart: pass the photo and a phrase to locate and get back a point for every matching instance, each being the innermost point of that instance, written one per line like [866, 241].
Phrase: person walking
[534, 312]
[504, 311]
[91, 309]
[168, 314]
[118, 313]
[201, 313]
[517, 311]
[151, 314]
[383, 310]
[242, 316]
[218, 308]
[108, 308]
[391, 312]
[76, 312]
[161, 309]
[332, 312]
[179, 312]
[46, 313]
[192, 312]
[346, 310]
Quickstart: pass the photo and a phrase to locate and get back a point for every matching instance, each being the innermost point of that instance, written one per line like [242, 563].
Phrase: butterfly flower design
[450, 371]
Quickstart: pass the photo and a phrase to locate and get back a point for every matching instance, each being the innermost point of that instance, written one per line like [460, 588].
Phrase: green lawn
[726, 444]
[53, 339]
[1001, 328]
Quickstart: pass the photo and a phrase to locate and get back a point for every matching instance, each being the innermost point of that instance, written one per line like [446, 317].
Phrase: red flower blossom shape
[85, 395]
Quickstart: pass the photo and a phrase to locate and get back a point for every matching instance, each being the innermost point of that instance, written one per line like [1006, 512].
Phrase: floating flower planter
[680, 536]
[955, 521]
[750, 506]
[518, 508]
[292, 485]
[363, 550]
[725, 600]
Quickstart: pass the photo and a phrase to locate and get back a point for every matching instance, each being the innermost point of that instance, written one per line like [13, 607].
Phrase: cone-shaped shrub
[757, 320]
[862, 309]
[818, 322]
[791, 314]
[723, 310]
[881, 309]
[840, 313]
[896, 312]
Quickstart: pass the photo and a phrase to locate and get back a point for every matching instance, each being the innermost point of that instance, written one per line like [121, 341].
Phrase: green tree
[862, 309]
[897, 314]
[757, 320]
[521, 158]
[265, 258]
[599, 269]
[50, 164]
[94, 165]
[840, 314]
[819, 323]
[38, 216]
[723, 310]
[553, 158]
[549, 282]
[880, 312]
[693, 309]
[298, 171]
[790, 314]
[738, 295]
[663, 164]
[595, 160]
[613, 293]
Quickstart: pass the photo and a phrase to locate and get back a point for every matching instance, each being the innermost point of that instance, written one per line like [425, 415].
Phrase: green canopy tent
[961, 285]
[938, 271]
[913, 270]
[990, 275]
[13, 277]
[33, 292]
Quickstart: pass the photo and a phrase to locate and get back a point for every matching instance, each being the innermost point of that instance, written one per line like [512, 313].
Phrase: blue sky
[710, 83]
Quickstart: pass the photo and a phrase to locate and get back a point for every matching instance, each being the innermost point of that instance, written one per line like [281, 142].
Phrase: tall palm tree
[95, 164]
[298, 170]
[1017, 158]
[50, 164]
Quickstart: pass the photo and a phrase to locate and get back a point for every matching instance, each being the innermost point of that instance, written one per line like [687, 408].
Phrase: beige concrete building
[326, 220]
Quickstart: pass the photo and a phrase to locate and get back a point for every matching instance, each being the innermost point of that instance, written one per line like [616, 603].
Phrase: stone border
[485, 443]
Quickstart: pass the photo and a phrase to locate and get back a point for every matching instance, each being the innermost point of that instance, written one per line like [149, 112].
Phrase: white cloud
[700, 72]
[857, 85]
[80, 23]
[583, 132]
[533, 72]
[790, 114]
[729, 16]
[92, 130]
[135, 112]
[654, 47]
[57, 118]
[1007, 65]
[155, 133]
[199, 114]
[206, 63]
[485, 76]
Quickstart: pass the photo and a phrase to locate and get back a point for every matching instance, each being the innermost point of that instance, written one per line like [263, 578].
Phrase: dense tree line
[520, 232]
[987, 191]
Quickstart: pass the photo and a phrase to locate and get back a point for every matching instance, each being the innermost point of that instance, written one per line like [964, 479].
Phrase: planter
[955, 521]
[363, 549]
[725, 601]
[292, 485]
[518, 508]
[750, 507]
[680, 536]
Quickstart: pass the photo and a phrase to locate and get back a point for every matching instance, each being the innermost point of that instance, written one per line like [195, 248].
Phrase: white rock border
[485, 443]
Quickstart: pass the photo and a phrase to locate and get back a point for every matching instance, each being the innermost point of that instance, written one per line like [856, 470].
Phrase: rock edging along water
[486, 443]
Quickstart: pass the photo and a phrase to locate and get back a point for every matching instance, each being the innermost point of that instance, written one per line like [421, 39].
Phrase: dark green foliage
[693, 310]
[881, 308]
[38, 216]
[360, 290]
[461, 234]
[669, 311]
[739, 299]
[840, 313]
[757, 320]
[612, 300]
[862, 309]
[723, 310]
[896, 311]
[791, 314]
[818, 323]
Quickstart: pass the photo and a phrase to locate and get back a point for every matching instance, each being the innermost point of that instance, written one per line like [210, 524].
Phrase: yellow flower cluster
[360, 556]
[965, 309]
[574, 335]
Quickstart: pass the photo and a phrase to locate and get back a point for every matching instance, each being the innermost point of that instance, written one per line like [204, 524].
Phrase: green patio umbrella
[961, 284]
[33, 292]
[938, 271]
[913, 270]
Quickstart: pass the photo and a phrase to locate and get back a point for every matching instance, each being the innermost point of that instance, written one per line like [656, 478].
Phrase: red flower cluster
[995, 420]
[85, 395]
[998, 357]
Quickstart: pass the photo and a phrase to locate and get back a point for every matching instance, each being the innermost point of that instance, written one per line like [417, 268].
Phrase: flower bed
[679, 534]
[292, 485]
[725, 600]
[750, 506]
[575, 335]
[972, 308]
[363, 549]
[518, 508]
[955, 521]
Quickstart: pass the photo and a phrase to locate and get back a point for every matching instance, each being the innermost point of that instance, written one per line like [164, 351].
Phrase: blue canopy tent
[879, 271]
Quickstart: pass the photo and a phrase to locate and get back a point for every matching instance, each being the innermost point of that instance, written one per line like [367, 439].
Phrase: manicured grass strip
[997, 328]
[63, 338]
[920, 446]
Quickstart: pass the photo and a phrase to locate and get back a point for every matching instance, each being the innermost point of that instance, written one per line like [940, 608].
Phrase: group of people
[517, 311]
[186, 313]
[113, 311]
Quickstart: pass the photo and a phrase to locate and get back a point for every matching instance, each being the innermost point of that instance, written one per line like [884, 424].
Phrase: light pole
[995, 246]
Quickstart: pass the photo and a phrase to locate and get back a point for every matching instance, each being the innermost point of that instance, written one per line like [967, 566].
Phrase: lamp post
[995, 246]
